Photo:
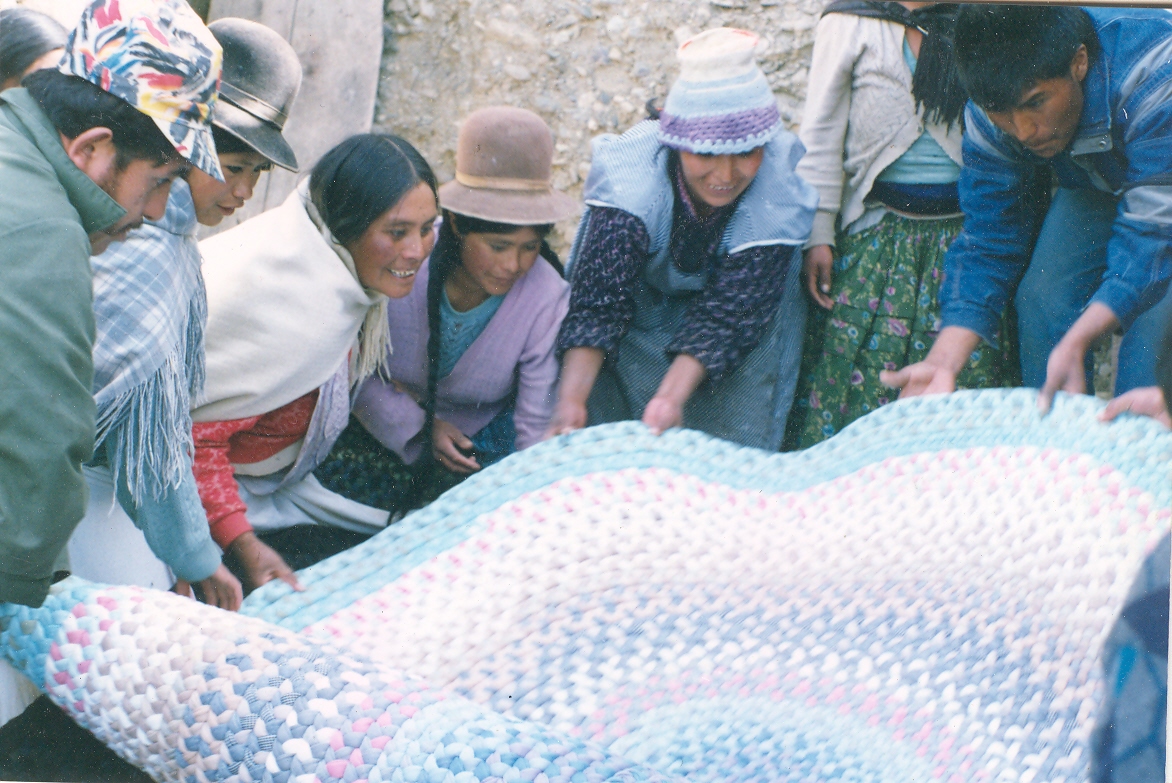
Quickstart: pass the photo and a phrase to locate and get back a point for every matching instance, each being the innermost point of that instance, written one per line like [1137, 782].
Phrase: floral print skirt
[885, 316]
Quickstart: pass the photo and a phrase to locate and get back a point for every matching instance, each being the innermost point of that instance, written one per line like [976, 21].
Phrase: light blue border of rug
[1138, 447]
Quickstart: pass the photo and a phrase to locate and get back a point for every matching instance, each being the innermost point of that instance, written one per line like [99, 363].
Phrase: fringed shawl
[149, 310]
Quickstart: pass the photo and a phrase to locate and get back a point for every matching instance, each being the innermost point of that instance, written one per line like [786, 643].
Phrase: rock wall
[585, 67]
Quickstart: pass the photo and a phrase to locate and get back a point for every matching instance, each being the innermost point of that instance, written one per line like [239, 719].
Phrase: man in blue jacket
[1081, 99]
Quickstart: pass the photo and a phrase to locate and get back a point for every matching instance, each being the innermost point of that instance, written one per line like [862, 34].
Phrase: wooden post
[340, 46]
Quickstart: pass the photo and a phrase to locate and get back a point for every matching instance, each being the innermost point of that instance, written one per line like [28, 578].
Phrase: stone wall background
[587, 67]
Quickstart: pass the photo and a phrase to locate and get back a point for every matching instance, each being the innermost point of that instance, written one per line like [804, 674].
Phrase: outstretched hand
[936, 374]
[919, 379]
[1065, 371]
[1146, 401]
[261, 563]
[1066, 367]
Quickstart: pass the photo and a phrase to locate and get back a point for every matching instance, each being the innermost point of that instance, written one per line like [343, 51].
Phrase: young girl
[685, 304]
[473, 372]
[150, 313]
[882, 129]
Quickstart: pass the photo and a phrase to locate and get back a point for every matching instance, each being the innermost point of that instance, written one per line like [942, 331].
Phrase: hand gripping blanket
[924, 597]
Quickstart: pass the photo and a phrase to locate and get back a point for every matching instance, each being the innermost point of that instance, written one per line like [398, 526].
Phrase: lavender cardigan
[513, 355]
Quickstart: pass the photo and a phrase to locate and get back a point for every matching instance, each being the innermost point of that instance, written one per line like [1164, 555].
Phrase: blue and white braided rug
[922, 598]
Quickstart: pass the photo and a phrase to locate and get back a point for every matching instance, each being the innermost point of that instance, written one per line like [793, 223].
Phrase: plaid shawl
[150, 309]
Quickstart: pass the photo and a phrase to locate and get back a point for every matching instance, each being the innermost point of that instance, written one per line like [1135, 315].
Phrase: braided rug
[923, 597]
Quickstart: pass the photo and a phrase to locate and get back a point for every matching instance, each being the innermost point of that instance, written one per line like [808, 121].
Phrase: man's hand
[936, 374]
[1065, 371]
[818, 266]
[448, 445]
[1146, 401]
[261, 563]
[1066, 368]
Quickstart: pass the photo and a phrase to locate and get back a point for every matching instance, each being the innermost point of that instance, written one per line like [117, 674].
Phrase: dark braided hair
[445, 258]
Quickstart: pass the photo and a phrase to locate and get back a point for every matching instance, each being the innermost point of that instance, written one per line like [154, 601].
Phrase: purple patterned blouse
[724, 321]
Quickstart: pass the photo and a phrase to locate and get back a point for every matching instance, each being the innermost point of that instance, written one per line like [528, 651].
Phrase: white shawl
[285, 309]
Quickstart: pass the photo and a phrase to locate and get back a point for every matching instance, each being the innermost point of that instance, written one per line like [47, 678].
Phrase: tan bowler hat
[504, 158]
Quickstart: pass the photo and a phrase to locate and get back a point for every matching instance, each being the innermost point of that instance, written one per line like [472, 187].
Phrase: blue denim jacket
[1123, 145]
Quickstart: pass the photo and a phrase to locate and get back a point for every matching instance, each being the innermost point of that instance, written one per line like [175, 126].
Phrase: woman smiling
[473, 374]
[685, 306]
[297, 318]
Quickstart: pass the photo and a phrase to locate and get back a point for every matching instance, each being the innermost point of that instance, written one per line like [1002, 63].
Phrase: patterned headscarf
[160, 58]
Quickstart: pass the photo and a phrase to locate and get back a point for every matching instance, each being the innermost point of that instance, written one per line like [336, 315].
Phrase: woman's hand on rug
[261, 563]
[818, 266]
[569, 415]
[1146, 401]
[221, 589]
[666, 408]
[448, 445]
[580, 368]
[662, 414]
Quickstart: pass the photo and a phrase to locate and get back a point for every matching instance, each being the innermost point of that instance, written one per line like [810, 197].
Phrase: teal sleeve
[46, 403]
[175, 527]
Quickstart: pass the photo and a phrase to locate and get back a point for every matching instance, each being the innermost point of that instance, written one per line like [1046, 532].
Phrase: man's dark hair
[25, 36]
[1004, 50]
[73, 106]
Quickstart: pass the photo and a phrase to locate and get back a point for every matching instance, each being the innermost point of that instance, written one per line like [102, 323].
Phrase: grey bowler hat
[261, 77]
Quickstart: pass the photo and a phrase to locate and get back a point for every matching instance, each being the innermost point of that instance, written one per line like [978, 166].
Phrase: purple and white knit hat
[721, 104]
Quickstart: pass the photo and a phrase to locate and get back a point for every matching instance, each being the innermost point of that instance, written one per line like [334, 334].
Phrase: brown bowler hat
[503, 164]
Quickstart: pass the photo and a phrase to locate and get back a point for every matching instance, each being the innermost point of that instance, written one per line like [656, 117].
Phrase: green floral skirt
[885, 316]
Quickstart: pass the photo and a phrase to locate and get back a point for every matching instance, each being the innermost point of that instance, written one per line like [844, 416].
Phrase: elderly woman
[29, 41]
[473, 374]
[685, 306]
[297, 319]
